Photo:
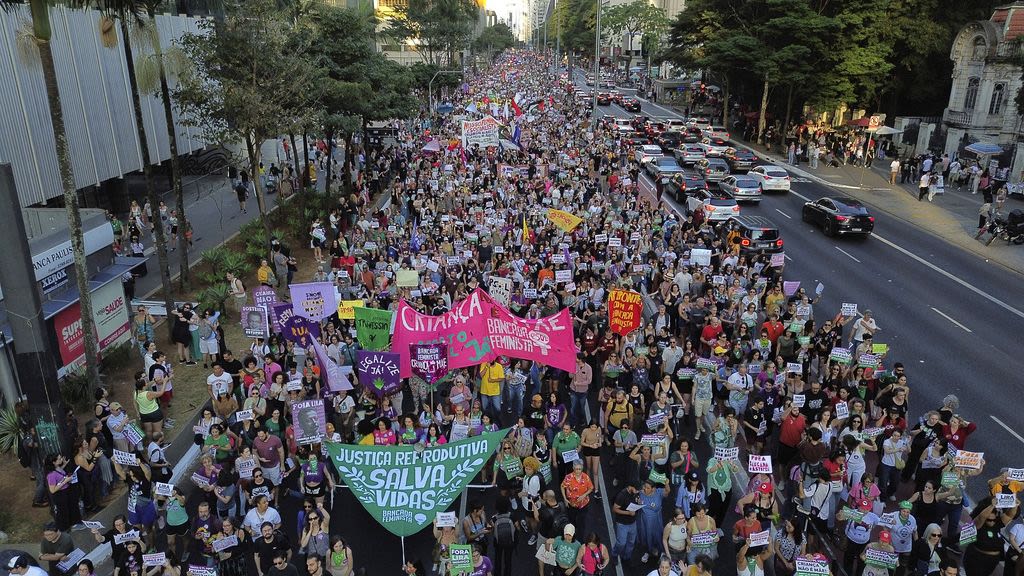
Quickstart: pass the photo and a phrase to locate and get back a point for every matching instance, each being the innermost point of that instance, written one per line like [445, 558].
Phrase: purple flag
[299, 330]
[380, 372]
[279, 314]
[314, 300]
[429, 361]
[330, 373]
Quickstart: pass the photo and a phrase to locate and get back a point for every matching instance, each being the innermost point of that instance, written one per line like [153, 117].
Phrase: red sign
[70, 342]
[625, 311]
[110, 316]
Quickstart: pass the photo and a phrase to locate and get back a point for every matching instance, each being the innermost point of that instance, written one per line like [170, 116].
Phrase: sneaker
[597, 495]
[532, 540]
[190, 363]
[645, 558]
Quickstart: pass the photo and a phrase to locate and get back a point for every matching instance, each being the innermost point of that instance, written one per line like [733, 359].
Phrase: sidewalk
[952, 216]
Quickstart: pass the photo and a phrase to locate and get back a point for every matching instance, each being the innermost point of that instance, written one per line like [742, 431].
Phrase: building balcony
[959, 119]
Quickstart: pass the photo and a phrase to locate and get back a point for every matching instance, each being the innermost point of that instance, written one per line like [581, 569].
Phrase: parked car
[663, 166]
[771, 178]
[717, 205]
[686, 183]
[713, 169]
[743, 188]
[839, 215]
[648, 152]
[756, 234]
[630, 104]
[689, 154]
[740, 159]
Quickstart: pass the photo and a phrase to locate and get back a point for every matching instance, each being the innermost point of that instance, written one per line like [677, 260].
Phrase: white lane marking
[1008, 429]
[947, 317]
[605, 499]
[848, 254]
[786, 256]
[783, 213]
[949, 275]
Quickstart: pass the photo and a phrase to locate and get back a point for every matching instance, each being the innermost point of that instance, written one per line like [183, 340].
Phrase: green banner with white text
[404, 487]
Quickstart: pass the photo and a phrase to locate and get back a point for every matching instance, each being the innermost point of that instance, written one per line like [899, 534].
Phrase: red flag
[516, 108]
[540, 105]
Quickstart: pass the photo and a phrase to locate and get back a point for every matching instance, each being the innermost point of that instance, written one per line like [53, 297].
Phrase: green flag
[461, 558]
[373, 328]
[404, 487]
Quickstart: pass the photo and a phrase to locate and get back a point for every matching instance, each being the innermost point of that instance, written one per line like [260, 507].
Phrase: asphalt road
[952, 318]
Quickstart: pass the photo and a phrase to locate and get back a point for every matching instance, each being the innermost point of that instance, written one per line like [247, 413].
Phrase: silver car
[713, 169]
[743, 188]
[689, 153]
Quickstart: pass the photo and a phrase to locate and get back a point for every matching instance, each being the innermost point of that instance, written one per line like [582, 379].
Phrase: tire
[805, 216]
[829, 228]
[1018, 239]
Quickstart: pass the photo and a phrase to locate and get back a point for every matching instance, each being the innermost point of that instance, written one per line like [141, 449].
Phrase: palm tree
[110, 40]
[42, 35]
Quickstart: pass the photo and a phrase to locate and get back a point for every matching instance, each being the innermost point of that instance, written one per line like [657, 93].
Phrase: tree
[439, 28]
[637, 17]
[573, 22]
[494, 39]
[159, 233]
[239, 86]
[42, 35]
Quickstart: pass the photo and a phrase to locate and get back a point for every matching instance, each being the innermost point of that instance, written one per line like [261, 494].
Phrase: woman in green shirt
[177, 521]
[219, 442]
[146, 403]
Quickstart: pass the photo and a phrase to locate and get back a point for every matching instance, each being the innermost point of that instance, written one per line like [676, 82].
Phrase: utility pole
[597, 55]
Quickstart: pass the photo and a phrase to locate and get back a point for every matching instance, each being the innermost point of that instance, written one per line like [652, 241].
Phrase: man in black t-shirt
[551, 518]
[271, 544]
[625, 525]
[281, 567]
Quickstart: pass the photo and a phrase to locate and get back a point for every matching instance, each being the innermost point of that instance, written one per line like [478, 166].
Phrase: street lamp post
[597, 55]
[430, 86]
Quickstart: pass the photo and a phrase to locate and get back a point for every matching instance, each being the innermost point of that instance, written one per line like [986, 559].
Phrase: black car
[630, 104]
[687, 182]
[841, 215]
[741, 159]
[692, 135]
[754, 234]
[669, 140]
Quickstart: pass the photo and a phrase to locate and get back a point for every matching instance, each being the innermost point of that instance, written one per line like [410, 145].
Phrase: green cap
[906, 505]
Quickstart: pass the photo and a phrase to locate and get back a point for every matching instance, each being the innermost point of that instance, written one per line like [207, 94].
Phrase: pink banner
[478, 329]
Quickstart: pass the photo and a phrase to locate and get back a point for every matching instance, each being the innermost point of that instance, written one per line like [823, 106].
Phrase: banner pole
[403, 552]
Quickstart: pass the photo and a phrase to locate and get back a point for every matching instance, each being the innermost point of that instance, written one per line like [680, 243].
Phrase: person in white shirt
[894, 170]
[260, 513]
[19, 567]
[219, 382]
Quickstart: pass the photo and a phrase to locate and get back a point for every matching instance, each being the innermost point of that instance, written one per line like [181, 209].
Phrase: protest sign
[347, 308]
[842, 410]
[879, 349]
[1004, 501]
[563, 275]
[133, 435]
[379, 372]
[970, 460]
[530, 293]
[124, 458]
[759, 538]
[243, 415]
[656, 420]
[600, 239]
[403, 487]
[163, 489]
[313, 300]
[154, 559]
[880, 558]
[868, 361]
[849, 309]
[126, 536]
[812, 567]
[93, 525]
[246, 467]
[501, 290]
[652, 439]
[564, 220]
[794, 367]
[790, 287]
[615, 242]
[546, 556]
[625, 311]
[429, 361]
[297, 329]
[197, 570]
[722, 454]
[309, 422]
[264, 296]
[889, 519]
[968, 534]
[373, 328]
[819, 288]
[224, 543]
[335, 377]
[482, 133]
[478, 329]
[798, 400]
[405, 278]
[570, 456]
[255, 322]
[459, 432]
[852, 514]
[700, 257]
[841, 355]
[447, 520]
[759, 464]
[703, 538]
[706, 363]
[1015, 474]
[70, 562]
[778, 259]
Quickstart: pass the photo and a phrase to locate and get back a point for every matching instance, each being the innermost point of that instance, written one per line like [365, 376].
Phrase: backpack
[504, 531]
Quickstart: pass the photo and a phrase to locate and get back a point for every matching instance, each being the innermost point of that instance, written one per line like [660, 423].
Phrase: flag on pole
[515, 108]
[526, 231]
[516, 135]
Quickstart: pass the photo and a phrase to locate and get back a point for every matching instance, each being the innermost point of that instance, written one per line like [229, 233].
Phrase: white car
[623, 125]
[771, 178]
[648, 152]
[700, 122]
[716, 205]
[717, 132]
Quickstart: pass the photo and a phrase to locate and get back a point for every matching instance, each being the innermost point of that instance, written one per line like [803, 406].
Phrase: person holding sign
[576, 490]
[232, 546]
[984, 555]
[750, 559]
[876, 567]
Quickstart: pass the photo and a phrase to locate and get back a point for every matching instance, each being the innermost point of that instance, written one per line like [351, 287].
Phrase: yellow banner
[347, 309]
[563, 219]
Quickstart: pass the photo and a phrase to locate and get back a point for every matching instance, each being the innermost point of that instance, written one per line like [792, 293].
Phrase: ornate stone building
[987, 57]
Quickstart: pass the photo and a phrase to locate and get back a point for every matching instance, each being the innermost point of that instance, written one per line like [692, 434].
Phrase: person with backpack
[504, 537]
[592, 557]
[551, 519]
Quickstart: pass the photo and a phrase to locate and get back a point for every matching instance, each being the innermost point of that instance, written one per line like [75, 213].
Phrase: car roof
[846, 201]
[714, 160]
[754, 222]
[770, 168]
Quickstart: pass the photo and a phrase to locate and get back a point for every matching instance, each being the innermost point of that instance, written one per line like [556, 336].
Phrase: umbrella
[432, 146]
[886, 130]
[984, 148]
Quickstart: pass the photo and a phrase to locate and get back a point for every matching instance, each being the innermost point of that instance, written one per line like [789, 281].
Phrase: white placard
[842, 410]
[92, 525]
[459, 432]
[126, 537]
[600, 239]
[1015, 474]
[849, 309]
[812, 567]
[700, 257]
[225, 543]
[245, 467]
[71, 560]
[570, 456]
[200, 480]
[244, 415]
[759, 538]
[1004, 501]
[155, 559]
[446, 519]
[723, 454]
[794, 367]
[799, 400]
[563, 275]
[530, 293]
[614, 242]
[778, 259]
[124, 458]
[162, 489]
[759, 464]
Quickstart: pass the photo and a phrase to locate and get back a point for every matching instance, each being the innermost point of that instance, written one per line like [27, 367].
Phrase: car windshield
[851, 208]
[776, 172]
[746, 183]
[665, 161]
[721, 201]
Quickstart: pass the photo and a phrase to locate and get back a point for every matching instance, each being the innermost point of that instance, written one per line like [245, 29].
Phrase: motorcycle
[1010, 229]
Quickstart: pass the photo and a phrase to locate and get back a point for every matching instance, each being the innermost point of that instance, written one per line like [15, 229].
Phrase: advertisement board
[110, 315]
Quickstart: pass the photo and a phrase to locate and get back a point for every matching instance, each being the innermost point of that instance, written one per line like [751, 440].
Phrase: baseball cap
[864, 504]
[20, 561]
[569, 529]
[906, 505]
[884, 536]
[764, 488]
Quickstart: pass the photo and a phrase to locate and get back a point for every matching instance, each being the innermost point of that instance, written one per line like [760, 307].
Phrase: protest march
[518, 353]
